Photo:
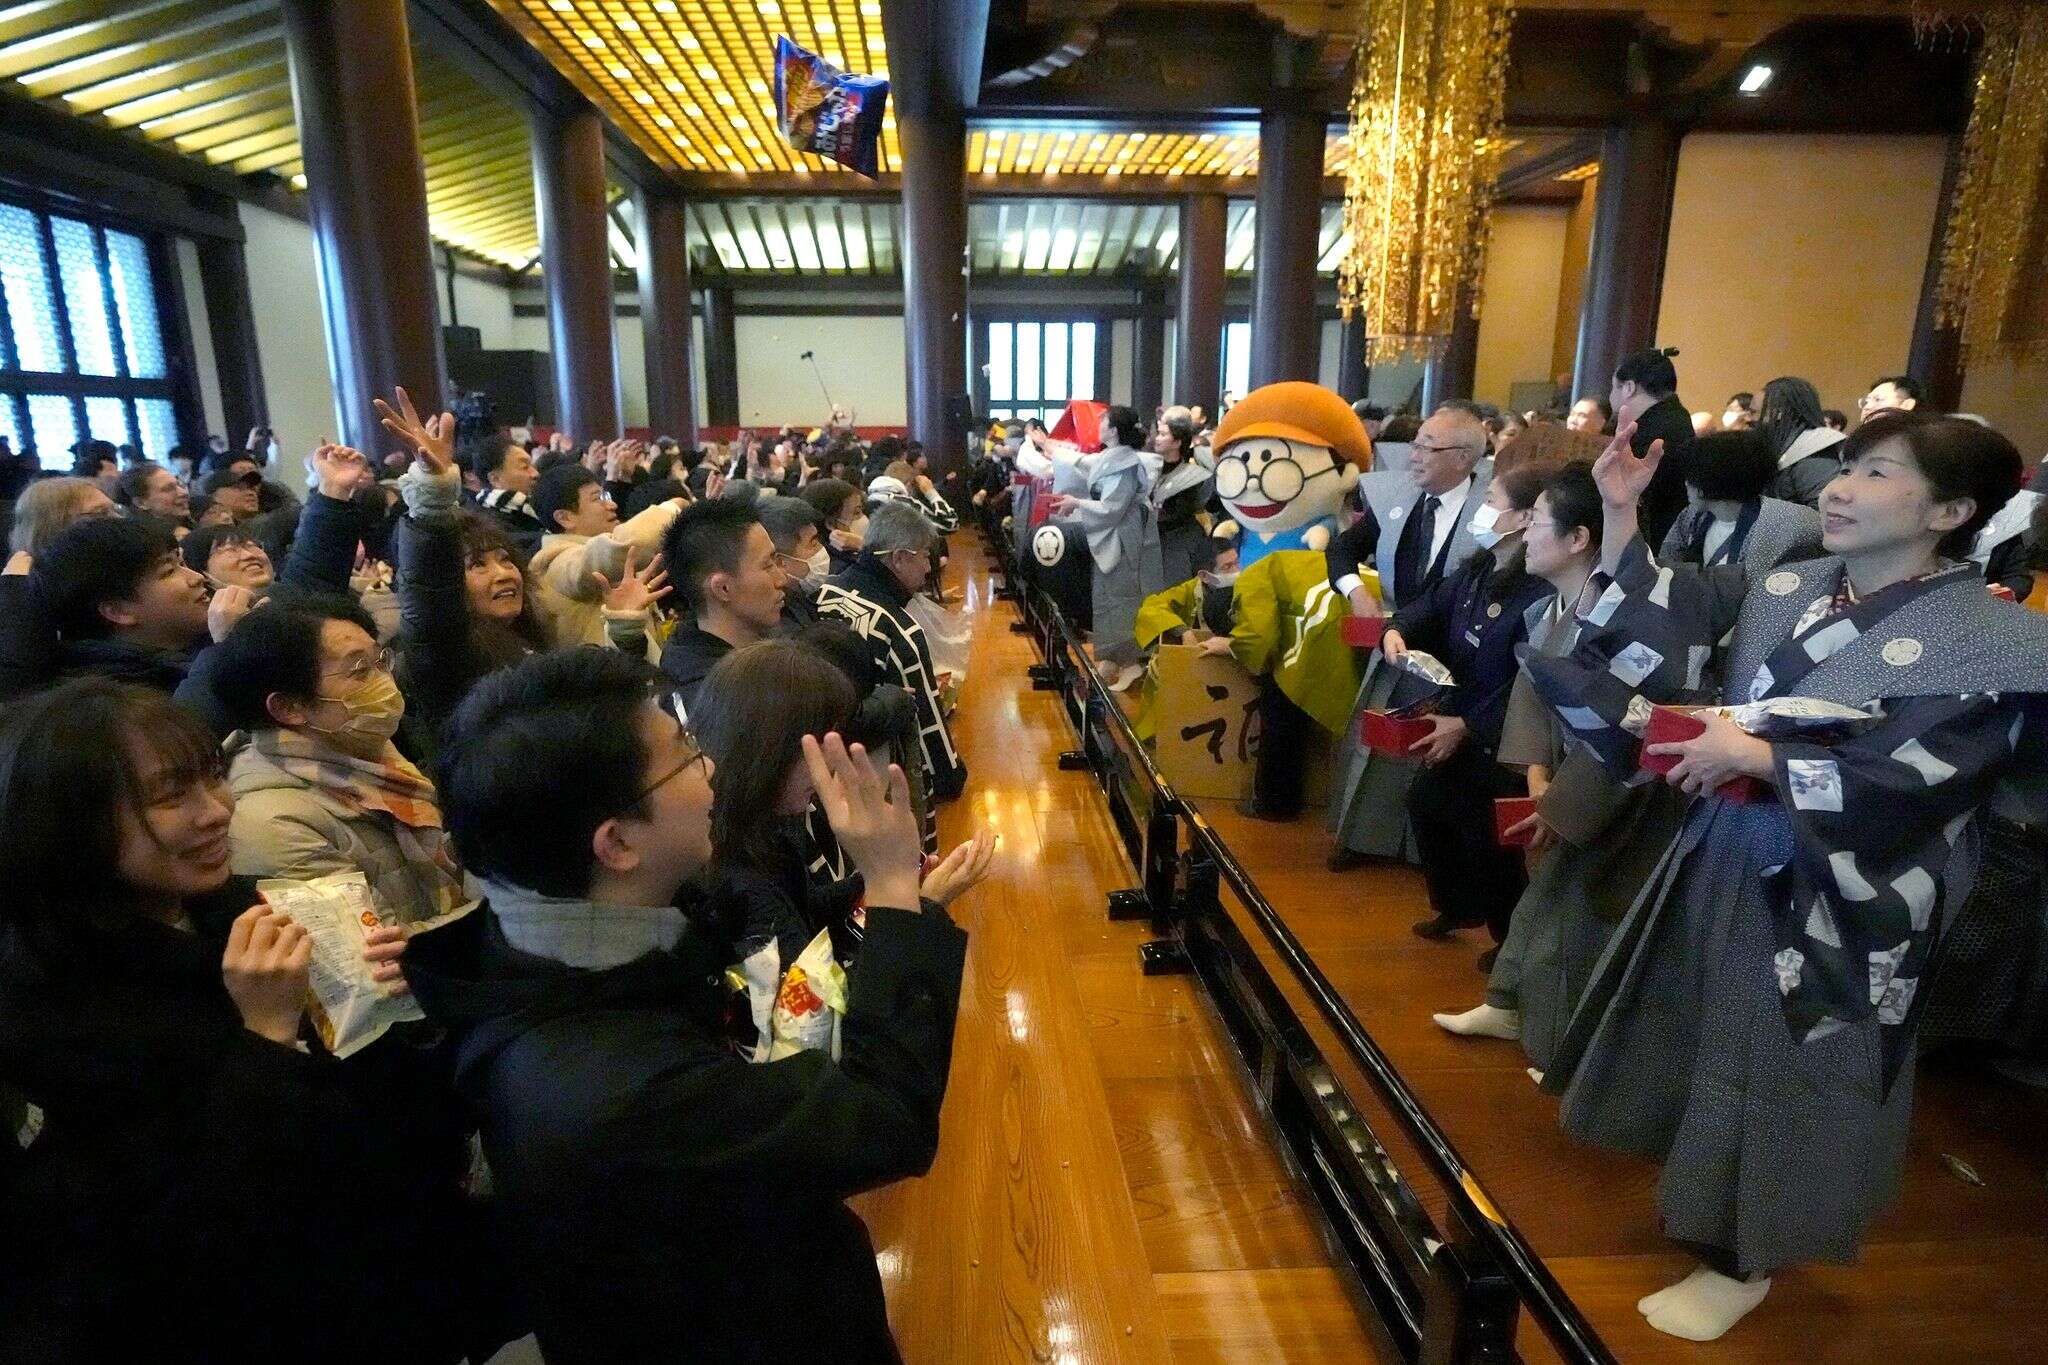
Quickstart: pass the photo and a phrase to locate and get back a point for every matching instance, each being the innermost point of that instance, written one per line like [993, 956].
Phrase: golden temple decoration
[1994, 263]
[1425, 132]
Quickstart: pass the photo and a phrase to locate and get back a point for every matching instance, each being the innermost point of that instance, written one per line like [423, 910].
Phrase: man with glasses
[798, 532]
[1894, 393]
[650, 1181]
[873, 598]
[1415, 527]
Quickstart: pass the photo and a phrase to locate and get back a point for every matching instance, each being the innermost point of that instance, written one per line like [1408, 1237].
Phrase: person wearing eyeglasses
[1416, 527]
[650, 1180]
[798, 532]
[319, 785]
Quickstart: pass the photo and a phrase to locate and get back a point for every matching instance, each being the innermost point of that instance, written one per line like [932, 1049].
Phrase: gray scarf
[581, 933]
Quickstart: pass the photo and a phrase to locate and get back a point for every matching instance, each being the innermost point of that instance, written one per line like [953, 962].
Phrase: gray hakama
[1610, 839]
[1751, 1023]
[1369, 801]
[1122, 531]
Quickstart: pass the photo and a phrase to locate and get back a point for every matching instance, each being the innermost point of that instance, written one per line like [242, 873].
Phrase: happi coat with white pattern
[1751, 1023]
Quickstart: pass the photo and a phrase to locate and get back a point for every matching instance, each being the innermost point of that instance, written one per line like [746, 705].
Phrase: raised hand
[339, 471]
[434, 438]
[594, 456]
[1620, 474]
[960, 871]
[871, 814]
[229, 605]
[265, 970]
[635, 591]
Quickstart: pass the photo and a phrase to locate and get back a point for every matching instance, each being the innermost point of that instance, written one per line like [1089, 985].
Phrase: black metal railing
[1431, 1297]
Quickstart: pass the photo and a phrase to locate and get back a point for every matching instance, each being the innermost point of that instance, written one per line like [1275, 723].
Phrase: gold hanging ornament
[1426, 107]
[1995, 245]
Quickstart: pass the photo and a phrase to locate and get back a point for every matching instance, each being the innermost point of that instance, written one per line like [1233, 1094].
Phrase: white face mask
[1217, 580]
[1484, 529]
[859, 525]
[821, 562]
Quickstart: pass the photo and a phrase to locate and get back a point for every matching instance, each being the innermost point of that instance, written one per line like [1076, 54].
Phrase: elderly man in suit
[1415, 528]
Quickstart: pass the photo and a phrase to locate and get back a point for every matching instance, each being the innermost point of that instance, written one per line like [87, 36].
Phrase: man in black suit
[1646, 392]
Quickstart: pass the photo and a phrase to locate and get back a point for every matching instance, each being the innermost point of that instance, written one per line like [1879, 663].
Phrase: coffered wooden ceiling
[208, 78]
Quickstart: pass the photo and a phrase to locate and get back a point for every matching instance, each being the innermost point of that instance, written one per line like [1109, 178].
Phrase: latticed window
[1035, 367]
[82, 348]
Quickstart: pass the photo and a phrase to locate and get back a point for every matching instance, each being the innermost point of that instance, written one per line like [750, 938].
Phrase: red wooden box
[1670, 724]
[1364, 632]
[1509, 811]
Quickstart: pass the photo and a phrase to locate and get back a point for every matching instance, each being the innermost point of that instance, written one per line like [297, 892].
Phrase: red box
[1393, 734]
[1509, 811]
[1671, 724]
[1364, 632]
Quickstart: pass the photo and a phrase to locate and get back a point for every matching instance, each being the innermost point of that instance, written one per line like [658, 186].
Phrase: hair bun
[1669, 352]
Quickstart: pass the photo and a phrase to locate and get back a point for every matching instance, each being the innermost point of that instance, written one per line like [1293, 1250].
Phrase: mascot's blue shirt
[1253, 547]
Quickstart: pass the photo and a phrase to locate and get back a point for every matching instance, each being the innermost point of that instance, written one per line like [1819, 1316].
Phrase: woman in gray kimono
[1122, 527]
[1751, 1024]
[1729, 520]
[1596, 839]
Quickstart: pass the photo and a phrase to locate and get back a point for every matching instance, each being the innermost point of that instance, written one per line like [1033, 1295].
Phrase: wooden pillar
[576, 259]
[1286, 330]
[231, 326]
[1625, 268]
[1354, 376]
[1936, 359]
[367, 200]
[1452, 368]
[1571, 283]
[721, 358]
[1148, 353]
[665, 313]
[934, 254]
[1198, 340]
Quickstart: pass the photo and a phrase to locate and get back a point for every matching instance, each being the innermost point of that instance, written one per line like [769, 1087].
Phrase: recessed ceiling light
[1755, 79]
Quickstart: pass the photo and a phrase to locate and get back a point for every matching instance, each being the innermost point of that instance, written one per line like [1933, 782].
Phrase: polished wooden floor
[1954, 1272]
[1104, 1189]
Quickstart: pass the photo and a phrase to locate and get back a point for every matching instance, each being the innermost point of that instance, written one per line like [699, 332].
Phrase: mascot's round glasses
[1280, 479]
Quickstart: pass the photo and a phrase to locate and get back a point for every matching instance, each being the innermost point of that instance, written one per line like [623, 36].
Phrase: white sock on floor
[1703, 1305]
[1483, 1021]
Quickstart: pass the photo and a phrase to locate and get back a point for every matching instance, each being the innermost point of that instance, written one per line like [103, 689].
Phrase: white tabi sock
[1703, 1305]
[1483, 1021]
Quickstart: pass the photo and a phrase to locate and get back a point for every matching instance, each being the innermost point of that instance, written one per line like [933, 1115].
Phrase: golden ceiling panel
[693, 81]
[208, 79]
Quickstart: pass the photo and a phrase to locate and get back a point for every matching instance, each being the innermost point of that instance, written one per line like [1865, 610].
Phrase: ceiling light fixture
[1756, 79]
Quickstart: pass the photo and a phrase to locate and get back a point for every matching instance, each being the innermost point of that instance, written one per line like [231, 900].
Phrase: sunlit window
[1035, 367]
[82, 349]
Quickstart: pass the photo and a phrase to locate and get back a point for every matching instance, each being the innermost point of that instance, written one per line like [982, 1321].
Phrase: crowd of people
[621, 762]
[626, 755]
[1731, 739]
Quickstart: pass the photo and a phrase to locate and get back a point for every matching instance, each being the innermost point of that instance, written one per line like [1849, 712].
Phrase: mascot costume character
[1285, 457]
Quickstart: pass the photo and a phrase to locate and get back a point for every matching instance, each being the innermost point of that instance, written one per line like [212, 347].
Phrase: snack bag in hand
[810, 1003]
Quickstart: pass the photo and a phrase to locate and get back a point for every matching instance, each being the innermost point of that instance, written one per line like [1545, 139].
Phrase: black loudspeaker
[960, 413]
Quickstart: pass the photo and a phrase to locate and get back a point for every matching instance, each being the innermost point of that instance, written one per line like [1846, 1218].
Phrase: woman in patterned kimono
[1597, 840]
[1751, 1024]
[1730, 521]
[1122, 527]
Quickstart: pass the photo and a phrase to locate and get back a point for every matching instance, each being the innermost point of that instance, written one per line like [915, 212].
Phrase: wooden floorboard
[1953, 1272]
[1105, 1189]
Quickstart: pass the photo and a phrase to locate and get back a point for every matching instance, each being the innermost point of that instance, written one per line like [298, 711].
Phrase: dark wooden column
[1198, 340]
[576, 259]
[368, 203]
[1936, 359]
[1354, 376]
[665, 314]
[721, 359]
[1286, 334]
[934, 252]
[1148, 352]
[1625, 268]
[1453, 367]
[231, 326]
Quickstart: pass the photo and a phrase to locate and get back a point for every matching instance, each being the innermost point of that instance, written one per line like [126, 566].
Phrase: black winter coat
[668, 1201]
[198, 1193]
